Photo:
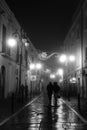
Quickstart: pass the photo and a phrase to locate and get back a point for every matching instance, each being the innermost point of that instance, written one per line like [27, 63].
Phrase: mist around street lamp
[52, 76]
[32, 66]
[11, 42]
[60, 72]
[35, 66]
[72, 58]
[62, 58]
[38, 66]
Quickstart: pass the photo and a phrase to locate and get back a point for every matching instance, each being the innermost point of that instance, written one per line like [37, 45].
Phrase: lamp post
[12, 42]
[67, 59]
[82, 48]
[34, 67]
[23, 42]
[38, 68]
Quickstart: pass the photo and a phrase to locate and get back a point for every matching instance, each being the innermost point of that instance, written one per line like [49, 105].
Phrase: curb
[10, 117]
[82, 119]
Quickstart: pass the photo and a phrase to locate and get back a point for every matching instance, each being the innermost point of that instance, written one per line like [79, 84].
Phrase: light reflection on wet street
[39, 116]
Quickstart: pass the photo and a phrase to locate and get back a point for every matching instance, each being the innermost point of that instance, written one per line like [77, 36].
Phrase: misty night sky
[46, 22]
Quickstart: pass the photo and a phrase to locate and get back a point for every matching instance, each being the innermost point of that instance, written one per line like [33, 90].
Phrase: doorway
[2, 82]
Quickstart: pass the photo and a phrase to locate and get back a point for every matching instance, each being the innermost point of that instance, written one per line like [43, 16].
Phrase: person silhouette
[56, 89]
[49, 91]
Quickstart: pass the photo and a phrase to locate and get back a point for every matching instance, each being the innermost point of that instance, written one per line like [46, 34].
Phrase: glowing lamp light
[48, 71]
[72, 58]
[26, 44]
[61, 80]
[73, 80]
[52, 76]
[32, 66]
[38, 66]
[60, 72]
[62, 58]
[11, 42]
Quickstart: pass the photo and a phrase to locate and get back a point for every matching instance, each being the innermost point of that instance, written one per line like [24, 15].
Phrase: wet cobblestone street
[39, 116]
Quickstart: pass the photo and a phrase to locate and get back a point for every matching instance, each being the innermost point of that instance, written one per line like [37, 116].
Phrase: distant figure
[49, 91]
[56, 89]
[22, 92]
[26, 92]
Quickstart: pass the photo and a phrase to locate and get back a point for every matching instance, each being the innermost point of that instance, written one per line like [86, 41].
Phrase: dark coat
[56, 88]
[49, 88]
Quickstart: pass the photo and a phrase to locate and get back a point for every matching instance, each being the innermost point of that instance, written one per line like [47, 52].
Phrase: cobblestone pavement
[39, 116]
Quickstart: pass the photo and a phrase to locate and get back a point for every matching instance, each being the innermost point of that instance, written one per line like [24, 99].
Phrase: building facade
[14, 61]
[75, 43]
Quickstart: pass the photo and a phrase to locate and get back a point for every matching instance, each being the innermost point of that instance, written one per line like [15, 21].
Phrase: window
[3, 38]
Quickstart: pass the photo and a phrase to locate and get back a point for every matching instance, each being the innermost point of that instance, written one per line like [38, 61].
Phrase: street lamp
[73, 80]
[72, 58]
[63, 58]
[52, 76]
[60, 72]
[12, 42]
[34, 68]
[38, 66]
[66, 59]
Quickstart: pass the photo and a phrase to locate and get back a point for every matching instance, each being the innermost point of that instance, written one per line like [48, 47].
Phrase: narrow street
[39, 116]
[43, 51]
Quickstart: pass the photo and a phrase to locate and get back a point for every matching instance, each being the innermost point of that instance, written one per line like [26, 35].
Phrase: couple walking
[53, 89]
